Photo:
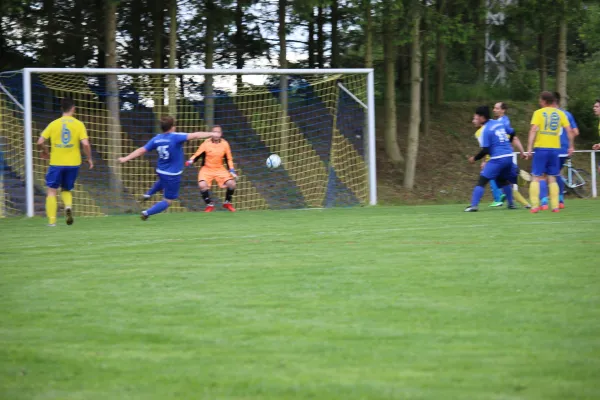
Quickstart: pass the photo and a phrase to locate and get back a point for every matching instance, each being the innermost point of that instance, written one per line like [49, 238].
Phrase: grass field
[420, 302]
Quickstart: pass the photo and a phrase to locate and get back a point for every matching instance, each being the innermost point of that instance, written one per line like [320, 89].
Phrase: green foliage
[584, 89]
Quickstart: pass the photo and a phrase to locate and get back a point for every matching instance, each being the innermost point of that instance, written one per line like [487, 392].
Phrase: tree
[368, 28]
[390, 10]
[335, 40]
[412, 148]
[561, 62]
[320, 37]
[209, 54]
[283, 79]
[172, 57]
[440, 65]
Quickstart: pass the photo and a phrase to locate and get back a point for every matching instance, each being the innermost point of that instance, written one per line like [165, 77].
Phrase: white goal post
[368, 131]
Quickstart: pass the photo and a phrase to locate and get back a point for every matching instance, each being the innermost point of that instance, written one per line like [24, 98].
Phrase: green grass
[375, 303]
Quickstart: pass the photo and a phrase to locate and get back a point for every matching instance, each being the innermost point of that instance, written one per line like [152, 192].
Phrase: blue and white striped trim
[160, 171]
[563, 155]
[502, 156]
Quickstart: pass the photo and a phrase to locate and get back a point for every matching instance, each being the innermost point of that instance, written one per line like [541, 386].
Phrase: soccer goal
[320, 122]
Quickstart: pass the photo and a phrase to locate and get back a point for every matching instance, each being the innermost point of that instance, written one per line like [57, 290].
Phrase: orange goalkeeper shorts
[221, 175]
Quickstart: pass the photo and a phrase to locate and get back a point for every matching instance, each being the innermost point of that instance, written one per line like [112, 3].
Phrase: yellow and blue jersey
[550, 122]
[64, 134]
[478, 137]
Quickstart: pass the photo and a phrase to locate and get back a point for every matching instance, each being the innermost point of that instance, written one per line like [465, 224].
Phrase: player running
[169, 146]
[566, 142]
[496, 143]
[214, 155]
[544, 136]
[65, 134]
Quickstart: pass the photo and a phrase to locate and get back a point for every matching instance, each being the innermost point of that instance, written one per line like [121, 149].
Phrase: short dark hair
[503, 106]
[484, 111]
[597, 101]
[547, 97]
[67, 104]
[166, 123]
[557, 97]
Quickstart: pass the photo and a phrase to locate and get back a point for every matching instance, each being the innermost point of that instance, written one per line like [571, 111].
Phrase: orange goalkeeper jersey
[214, 155]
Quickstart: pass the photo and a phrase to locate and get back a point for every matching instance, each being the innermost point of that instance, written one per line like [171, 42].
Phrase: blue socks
[158, 208]
[509, 194]
[543, 192]
[496, 192]
[477, 195]
[155, 188]
[561, 189]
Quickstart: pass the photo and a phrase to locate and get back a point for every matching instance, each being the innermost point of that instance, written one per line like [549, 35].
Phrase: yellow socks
[534, 194]
[67, 198]
[553, 190]
[51, 207]
[519, 197]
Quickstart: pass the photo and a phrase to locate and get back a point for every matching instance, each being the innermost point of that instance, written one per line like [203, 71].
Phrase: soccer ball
[273, 161]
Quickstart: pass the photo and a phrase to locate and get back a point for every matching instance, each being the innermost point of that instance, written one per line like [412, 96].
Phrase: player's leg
[170, 186]
[52, 183]
[553, 169]
[507, 177]
[543, 195]
[230, 185]
[538, 172]
[69, 176]
[156, 187]
[205, 178]
[490, 171]
[496, 193]
[561, 184]
[519, 197]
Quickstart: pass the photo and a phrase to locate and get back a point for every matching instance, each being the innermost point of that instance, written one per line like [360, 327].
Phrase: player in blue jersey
[495, 142]
[566, 143]
[169, 146]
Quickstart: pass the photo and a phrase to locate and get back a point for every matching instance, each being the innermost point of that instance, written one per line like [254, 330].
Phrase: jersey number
[65, 134]
[163, 152]
[551, 121]
[502, 136]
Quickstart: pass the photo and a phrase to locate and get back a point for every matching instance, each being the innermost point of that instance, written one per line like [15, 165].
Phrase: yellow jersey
[65, 133]
[478, 137]
[550, 122]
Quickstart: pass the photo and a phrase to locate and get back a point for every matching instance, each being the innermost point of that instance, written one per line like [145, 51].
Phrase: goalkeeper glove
[189, 162]
[232, 172]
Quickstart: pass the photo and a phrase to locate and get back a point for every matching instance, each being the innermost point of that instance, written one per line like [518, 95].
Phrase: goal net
[316, 122]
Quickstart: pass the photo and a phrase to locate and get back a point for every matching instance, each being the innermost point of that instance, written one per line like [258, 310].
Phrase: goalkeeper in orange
[216, 164]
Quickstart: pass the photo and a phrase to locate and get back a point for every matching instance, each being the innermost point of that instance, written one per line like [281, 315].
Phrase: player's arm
[197, 154]
[85, 144]
[516, 142]
[87, 150]
[134, 154]
[566, 123]
[41, 143]
[536, 121]
[229, 160]
[203, 135]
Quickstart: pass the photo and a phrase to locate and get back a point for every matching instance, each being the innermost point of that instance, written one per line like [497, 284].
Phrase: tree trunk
[172, 57]
[368, 34]
[239, 43]
[158, 31]
[440, 71]
[480, 27]
[320, 37]
[389, 53]
[136, 33]
[426, 116]
[335, 43]
[311, 38]
[412, 148]
[48, 51]
[283, 80]
[209, 101]
[114, 126]
[543, 63]
[561, 63]
[78, 39]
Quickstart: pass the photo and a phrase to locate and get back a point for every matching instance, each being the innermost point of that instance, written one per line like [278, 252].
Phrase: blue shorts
[170, 185]
[546, 162]
[562, 161]
[500, 169]
[63, 177]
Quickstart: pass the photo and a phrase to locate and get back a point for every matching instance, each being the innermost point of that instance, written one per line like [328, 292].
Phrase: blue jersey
[506, 121]
[170, 152]
[495, 138]
[564, 136]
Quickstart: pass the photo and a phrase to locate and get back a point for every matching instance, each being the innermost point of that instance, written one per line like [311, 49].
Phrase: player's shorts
[170, 185]
[562, 161]
[221, 175]
[546, 162]
[500, 169]
[63, 177]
